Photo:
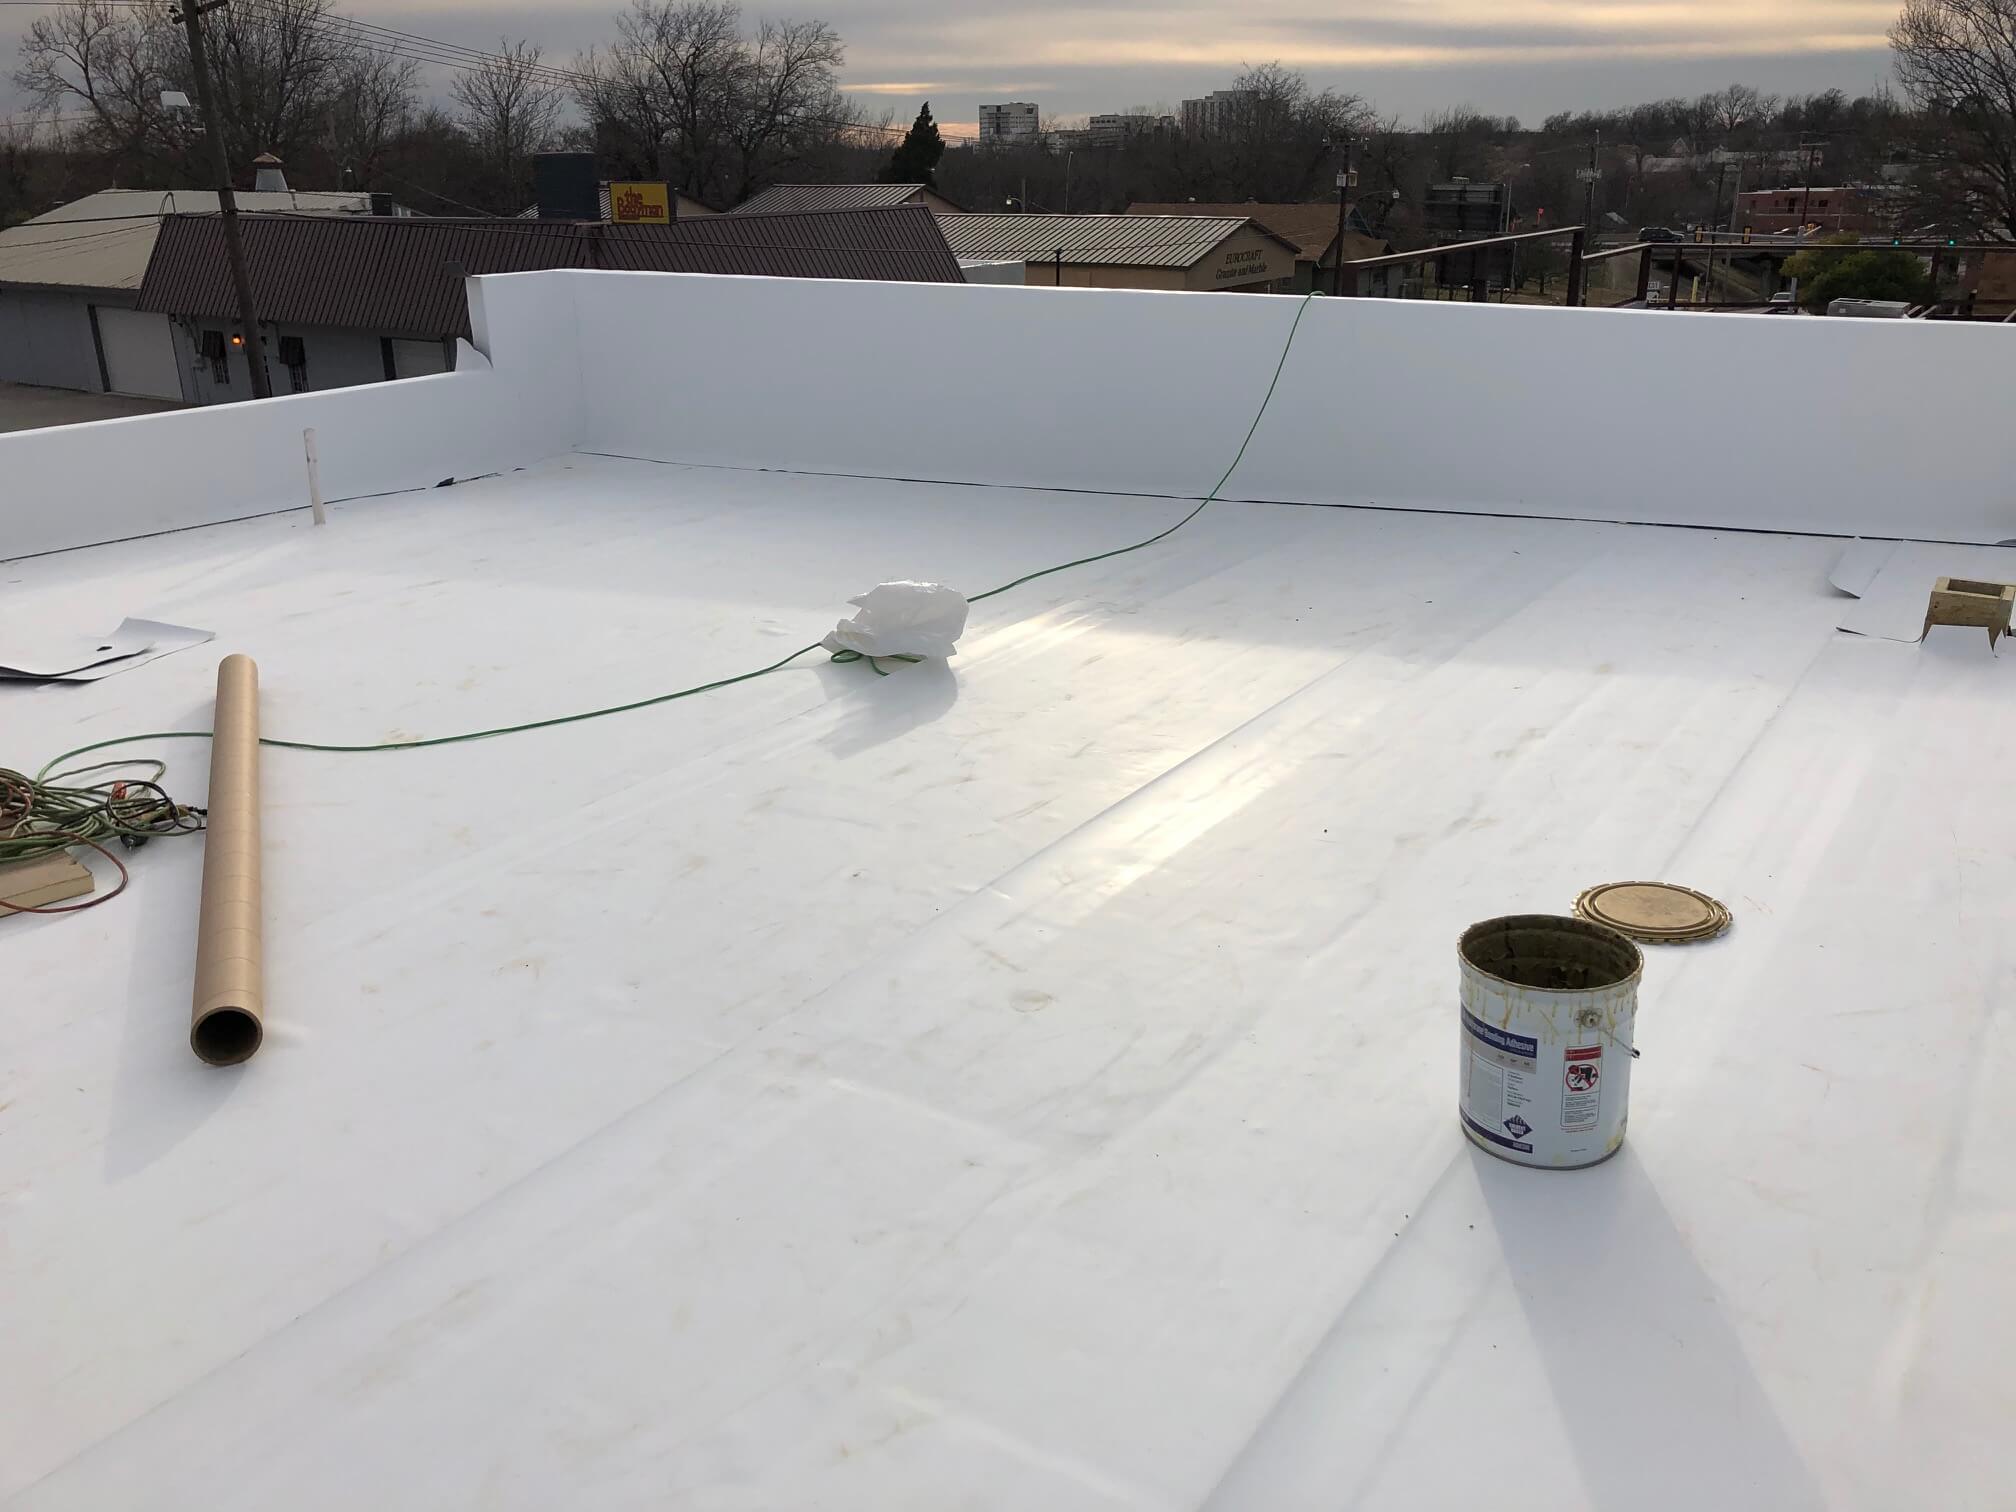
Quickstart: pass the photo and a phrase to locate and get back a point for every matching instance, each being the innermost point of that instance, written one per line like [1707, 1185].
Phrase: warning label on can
[1581, 1086]
[1500, 1083]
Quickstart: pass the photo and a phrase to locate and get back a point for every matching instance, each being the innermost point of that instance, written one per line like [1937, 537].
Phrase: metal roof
[103, 241]
[1312, 228]
[395, 275]
[1136, 241]
[835, 197]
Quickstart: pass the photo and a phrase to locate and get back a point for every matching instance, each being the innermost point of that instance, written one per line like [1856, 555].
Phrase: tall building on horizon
[1218, 111]
[1005, 125]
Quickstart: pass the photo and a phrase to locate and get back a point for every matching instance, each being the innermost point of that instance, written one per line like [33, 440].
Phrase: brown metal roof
[393, 275]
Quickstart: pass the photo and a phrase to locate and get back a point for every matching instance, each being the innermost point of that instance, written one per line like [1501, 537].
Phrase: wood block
[42, 881]
[1963, 601]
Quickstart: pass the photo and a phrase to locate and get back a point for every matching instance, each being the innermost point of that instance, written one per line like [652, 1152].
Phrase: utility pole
[227, 202]
[1812, 152]
[1714, 215]
[1589, 186]
[1346, 177]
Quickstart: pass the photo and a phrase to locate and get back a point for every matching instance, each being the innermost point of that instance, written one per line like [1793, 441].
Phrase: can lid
[1658, 913]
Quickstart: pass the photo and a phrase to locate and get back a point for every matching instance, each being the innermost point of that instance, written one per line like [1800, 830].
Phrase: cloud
[1528, 57]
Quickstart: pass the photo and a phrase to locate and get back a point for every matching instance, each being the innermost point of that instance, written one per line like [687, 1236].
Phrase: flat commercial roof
[103, 240]
[1026, 1080]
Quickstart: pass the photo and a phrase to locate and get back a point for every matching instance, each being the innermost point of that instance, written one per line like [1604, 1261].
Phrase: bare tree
[105, 61]
[509, 106]
[1957, 62]
[1459, 136]
[277, 68]
[376, 94]
[1284, 142]
[790, 104]
[668, 92]
[1732, 110]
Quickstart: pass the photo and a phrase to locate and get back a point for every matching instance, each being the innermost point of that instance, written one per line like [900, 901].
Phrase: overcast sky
[1523, 57]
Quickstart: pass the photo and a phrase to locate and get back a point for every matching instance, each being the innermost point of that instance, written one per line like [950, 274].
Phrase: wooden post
[1577, 275]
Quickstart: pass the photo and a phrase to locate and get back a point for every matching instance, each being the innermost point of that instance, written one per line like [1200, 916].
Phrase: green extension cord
[776, 666]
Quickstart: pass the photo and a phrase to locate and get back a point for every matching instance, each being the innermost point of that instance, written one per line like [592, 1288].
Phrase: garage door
[417, 359]
[139, 353]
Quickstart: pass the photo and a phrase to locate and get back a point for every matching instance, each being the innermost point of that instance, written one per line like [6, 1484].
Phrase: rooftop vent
[566, 186]
[269, 175]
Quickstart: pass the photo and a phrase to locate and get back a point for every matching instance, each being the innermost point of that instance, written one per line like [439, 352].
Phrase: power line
[434, 194]
[28, 254]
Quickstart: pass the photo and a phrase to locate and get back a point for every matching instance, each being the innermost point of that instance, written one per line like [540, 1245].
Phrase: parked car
[1657, 234]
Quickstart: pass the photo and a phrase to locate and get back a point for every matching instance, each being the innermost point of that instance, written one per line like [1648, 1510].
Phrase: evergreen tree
[916, 160]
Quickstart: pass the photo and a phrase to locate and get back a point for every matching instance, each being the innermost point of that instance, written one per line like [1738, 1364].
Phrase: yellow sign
[640, 204]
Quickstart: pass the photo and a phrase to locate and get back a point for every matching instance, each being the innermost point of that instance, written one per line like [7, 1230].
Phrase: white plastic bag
[902, 619]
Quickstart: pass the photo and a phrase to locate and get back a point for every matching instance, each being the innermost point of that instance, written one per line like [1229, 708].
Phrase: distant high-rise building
[1005, 125]
[1118, 130]
[1217, 112]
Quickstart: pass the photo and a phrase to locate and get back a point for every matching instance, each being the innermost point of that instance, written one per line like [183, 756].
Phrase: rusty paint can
[1549, 1005]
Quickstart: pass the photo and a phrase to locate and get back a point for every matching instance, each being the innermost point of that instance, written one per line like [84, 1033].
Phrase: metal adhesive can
[1548, 1009]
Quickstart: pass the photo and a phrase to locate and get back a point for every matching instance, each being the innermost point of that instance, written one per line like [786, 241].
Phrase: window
[294, 353]
[214, 353]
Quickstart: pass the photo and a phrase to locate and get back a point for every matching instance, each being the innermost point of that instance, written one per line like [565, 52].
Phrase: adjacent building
[804, 198]
[1310, 229]
[1218, 112]
[1226, 252]
[1861, 208]
[345, 302]
[1016, 123]
[1111, 131]
[70, 282]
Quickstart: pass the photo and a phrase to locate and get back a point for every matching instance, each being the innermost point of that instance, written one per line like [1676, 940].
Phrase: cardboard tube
[227, 1017]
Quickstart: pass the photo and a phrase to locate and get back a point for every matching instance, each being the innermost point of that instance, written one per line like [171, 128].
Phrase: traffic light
[1952, 241]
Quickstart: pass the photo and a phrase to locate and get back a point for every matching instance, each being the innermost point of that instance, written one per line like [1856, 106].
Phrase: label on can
[1500, 1083]
[1581, 1087]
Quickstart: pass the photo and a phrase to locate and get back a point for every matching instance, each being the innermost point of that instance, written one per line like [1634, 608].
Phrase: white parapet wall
[516, 400]
[1838, 427]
